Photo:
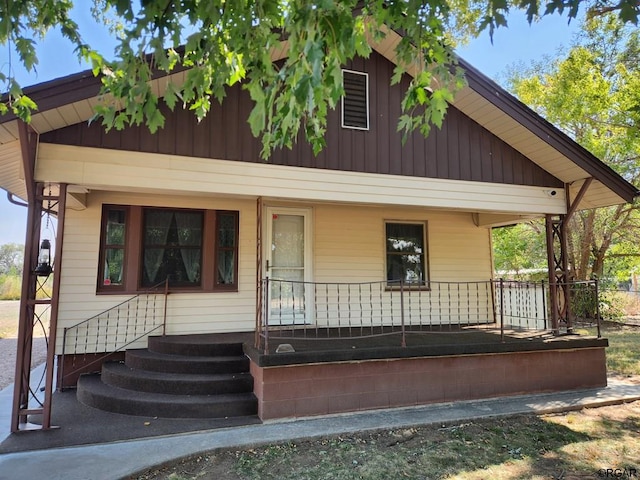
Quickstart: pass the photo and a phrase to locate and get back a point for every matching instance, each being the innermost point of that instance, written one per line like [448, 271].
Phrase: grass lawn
[591, 443]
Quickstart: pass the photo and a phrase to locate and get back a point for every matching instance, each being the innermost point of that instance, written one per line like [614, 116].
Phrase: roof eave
[547, 132]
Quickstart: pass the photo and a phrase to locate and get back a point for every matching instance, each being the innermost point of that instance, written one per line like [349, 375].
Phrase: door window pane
[287, 244]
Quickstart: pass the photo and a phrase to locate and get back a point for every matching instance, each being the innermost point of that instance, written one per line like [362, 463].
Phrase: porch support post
[21, 391]
[259, 287]
[556, 273]
[557, 260]
[53, 314]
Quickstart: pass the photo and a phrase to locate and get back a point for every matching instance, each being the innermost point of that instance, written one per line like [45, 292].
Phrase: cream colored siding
[350, 247]
[349, 242]
[186, 312]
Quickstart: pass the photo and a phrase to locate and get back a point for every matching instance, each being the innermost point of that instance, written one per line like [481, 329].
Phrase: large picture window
[406, 254]
[172, 247]
[143, 246]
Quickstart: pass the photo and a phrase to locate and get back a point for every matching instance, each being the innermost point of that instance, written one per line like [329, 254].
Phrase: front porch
[353, 374]
[360, 346]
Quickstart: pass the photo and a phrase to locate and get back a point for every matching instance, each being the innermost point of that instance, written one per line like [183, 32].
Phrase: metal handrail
[381, 308]
[117, 347]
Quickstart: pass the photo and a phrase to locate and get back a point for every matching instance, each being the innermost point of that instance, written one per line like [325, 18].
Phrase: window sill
[172, 290]
[408, 288]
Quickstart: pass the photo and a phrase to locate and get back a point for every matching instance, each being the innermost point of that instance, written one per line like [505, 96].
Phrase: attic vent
[355, 103]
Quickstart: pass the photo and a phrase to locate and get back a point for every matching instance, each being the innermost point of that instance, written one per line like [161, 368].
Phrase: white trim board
[102, 169]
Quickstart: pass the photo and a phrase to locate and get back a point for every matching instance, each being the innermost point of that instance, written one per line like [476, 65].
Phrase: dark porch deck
[330, 346]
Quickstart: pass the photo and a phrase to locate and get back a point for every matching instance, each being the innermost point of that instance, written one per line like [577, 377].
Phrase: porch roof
[72, 99]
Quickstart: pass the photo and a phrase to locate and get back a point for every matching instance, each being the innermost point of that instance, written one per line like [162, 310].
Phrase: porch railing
[94, 340]
[294, 310]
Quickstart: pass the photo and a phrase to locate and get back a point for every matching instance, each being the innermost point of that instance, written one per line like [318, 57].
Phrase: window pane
[405, 253]
[115, 227]
[156, 226]
[172, 240]
[226, 267]
[189, 228]
[287, 243]
[113, 266]
[226, 230]
[405, 238]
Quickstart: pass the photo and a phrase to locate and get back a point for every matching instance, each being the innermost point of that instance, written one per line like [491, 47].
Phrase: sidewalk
[115, 460]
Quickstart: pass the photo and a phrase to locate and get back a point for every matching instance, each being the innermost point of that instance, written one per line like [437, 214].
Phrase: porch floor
[332, 345]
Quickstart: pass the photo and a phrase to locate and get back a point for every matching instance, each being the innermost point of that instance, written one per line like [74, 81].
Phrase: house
[369, 234]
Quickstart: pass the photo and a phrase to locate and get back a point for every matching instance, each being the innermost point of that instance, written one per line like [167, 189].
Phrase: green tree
[11, 255]
[222, 42]
[519, 247]
[593, 94]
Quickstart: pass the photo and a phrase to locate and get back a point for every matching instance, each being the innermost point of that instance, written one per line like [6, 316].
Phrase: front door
[288, 265]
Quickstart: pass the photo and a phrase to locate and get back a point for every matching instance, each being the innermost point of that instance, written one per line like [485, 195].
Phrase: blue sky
[518, 43]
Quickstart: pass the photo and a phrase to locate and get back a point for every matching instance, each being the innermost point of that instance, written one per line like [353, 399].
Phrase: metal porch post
[558, 271]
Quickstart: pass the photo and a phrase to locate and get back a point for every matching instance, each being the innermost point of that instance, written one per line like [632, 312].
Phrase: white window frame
[366, 75]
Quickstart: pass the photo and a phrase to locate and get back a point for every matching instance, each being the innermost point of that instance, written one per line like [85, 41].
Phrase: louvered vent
[355, 103]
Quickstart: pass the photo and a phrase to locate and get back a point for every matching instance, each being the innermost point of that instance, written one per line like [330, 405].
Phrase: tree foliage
[519, 249]
[222, 42]
[593, 94]
[11, 255]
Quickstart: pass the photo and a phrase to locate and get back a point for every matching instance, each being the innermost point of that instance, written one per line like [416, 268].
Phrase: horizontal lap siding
[186, 312]
[349, 246]
[460, 150]
[352, 239]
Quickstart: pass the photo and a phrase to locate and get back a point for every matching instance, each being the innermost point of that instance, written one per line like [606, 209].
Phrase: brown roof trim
[546, 131]
[69, 89]
[60, 91]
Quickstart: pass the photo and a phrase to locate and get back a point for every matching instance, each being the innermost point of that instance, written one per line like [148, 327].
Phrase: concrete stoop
[175, 377]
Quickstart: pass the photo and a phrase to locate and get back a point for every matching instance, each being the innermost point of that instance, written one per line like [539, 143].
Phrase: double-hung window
[406, 253]
[195, 250]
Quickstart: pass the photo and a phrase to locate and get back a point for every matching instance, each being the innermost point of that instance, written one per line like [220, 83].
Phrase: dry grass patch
[571, 445]
[9, 311]
[9, 314]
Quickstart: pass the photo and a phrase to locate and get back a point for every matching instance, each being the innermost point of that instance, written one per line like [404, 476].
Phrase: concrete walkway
[115, 460]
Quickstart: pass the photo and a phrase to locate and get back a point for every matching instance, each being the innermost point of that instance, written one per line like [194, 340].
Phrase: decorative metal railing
[293, 310]
[94, 340]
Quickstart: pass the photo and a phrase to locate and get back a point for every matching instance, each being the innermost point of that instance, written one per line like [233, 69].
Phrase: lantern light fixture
[44, 259]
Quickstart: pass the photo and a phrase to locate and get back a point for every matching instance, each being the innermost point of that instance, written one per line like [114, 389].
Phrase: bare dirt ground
[8, 342]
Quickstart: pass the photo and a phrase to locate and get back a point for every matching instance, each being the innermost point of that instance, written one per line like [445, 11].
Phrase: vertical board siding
[460, 150]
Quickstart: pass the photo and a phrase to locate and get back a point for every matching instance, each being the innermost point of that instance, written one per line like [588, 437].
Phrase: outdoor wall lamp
[44, 259]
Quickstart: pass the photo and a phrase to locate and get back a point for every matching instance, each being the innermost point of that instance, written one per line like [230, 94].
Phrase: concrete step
[94, 393]
[119, 375]
[144, 359]
[197, 345]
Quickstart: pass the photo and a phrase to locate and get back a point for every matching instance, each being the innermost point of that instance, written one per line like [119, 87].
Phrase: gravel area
[9, 342]
[8, 349]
